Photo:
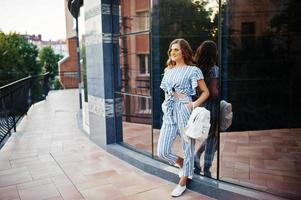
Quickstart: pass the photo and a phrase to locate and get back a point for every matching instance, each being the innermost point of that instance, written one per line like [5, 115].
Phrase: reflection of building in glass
[134, 60]
[260, 56]
[250, 19]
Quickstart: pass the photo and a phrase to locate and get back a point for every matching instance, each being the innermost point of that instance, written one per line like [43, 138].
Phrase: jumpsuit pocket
[187, 107]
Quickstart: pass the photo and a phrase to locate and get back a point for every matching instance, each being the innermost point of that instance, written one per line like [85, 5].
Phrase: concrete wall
[100, 16]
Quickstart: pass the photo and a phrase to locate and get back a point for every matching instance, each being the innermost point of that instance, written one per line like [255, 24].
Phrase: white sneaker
[178, 191]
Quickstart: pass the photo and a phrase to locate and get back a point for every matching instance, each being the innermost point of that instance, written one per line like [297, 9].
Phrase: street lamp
[74, 8]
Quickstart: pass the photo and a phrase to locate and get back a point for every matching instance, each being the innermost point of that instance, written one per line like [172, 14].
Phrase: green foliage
[182, 19]
[56, 84]
[185, 19]
[49, 60]
[18, 58]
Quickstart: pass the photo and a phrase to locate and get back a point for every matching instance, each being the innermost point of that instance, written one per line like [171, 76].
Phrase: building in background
[68, 64]
[58, 46]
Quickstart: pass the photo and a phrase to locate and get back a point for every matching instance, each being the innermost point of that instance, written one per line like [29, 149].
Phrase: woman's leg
[180, 161]
[209, 155]
[198, 155]
[183, 112]
[201, 148]
[188, 148]
[168, 134]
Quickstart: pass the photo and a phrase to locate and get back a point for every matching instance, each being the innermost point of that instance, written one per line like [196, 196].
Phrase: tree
[49, 60]
[184, 19]
[18, 58]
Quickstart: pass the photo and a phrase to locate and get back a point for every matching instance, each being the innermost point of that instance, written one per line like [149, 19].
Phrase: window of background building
[145, 106]
[248, 34]
[143, 63]
[142, 21]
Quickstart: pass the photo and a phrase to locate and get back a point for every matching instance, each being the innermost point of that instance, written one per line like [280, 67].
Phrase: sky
[45, 17]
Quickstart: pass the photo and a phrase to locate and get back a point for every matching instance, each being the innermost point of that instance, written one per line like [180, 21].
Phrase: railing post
[6, 116]
[14, 121]
[29, 100]
[46, 84]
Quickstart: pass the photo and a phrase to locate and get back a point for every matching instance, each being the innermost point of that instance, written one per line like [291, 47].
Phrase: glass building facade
[258, 57]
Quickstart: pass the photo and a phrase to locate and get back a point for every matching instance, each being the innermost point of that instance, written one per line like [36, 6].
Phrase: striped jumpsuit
[176, 114]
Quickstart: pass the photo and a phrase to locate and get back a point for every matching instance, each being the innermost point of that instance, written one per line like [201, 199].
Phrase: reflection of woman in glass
[205, 58]
[180, 80]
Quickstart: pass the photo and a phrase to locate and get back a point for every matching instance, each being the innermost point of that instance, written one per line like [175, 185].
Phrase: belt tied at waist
[169, 105]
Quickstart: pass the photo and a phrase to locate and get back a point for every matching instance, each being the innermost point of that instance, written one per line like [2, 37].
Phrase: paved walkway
[50, 158]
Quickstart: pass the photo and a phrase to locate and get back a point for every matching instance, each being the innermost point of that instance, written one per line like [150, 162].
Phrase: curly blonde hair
[186, 51]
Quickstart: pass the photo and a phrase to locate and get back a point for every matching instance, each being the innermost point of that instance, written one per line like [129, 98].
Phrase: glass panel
[135, 16]
[135, 90]
[261, 63]
[136, 121]
[195, 21]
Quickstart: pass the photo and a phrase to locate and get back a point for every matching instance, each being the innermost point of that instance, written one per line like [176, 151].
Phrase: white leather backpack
[226, 115]
[198, 124]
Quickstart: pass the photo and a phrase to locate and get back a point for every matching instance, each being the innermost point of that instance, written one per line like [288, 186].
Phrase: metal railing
[17, 97]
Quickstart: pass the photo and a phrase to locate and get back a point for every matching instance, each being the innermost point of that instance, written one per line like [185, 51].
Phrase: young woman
[205, 58]
[179, 83]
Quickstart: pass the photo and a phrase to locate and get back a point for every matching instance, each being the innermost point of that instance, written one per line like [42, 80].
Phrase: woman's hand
[190, 105]
[204, 93]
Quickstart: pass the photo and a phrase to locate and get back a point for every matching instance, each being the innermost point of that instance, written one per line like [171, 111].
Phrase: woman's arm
[213, 88]
[204, 94]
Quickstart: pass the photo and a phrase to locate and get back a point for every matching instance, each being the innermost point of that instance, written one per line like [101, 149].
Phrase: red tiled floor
[70, 193]
[269, 160]
[39, 192]
[9, 192]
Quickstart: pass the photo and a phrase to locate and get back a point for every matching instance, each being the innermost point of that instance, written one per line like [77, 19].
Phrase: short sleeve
[196, 75]
[164, 84]
[214, 72]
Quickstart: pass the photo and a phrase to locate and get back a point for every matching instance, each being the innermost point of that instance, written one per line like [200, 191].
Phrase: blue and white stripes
[181, 79]
[169, 132]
